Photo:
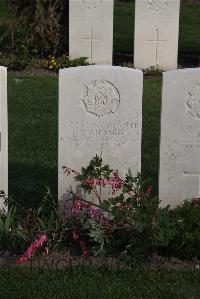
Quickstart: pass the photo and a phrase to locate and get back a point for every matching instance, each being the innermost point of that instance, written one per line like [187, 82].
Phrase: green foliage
[153, 71]
[177, 231]
[184, 231]
[98, 234]
[165, 229]
[21, 59]
[126, 224]
[95, 170]
[130, 209]
[12, 236]
[37, 24]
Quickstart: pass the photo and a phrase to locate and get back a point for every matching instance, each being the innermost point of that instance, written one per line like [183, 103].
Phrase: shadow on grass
[151, 129]
[27, 183]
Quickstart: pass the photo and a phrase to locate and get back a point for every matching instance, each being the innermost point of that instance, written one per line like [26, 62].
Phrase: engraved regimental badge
[100, 98]
[157, 5]
[192, 102]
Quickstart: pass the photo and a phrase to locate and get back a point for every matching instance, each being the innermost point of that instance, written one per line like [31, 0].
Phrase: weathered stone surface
[180, 137]
[91, 30]
[100, 112]
[3, 134]
[156, 34]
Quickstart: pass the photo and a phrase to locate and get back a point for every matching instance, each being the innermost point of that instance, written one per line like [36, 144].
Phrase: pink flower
[149, 189]
[82, 244]
[23, 259]
[196, 202]
[85, 253]
[76, 206]
[75, 235]
[129, 205]
[114, 182]
[32, 248]
[142, 194]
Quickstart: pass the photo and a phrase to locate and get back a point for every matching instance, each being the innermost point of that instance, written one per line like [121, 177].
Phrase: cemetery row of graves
[97, 28]
[155, 38]
[100, 113]
[115, 158]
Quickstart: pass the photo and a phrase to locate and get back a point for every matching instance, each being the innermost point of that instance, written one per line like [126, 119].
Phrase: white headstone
[156, 34]
[91, 30]
[3, 134]
[100, 112]
[180, 137]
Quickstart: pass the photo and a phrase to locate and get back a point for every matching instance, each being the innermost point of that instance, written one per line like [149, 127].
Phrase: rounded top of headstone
[100, 68]
[3, 68]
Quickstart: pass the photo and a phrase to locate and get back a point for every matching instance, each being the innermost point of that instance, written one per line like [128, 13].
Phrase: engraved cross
[91, 39]
[193, 173]
[156, 42]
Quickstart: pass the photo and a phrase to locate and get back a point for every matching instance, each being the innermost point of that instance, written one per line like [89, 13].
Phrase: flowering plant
[127, 206]
[119, 218]
[55, 63]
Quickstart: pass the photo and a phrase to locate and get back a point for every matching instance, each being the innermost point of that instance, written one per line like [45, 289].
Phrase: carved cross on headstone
[156, 41]
[193, 173]
[91, 39]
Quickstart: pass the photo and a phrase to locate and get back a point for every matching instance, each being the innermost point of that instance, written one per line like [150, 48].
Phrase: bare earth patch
[34, 71]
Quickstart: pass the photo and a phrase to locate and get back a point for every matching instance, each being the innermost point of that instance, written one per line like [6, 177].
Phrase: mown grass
[151, 129]
[189, 37]
[101, 283]
[123, 34]
[33, 135]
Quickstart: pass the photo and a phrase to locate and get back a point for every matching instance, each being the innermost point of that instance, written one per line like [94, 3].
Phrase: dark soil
[57, 260]
[185, 60]
[33, 71]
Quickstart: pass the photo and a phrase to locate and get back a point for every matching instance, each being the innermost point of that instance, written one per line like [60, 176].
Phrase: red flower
[85, 253]
[149, 189]
[75, 235]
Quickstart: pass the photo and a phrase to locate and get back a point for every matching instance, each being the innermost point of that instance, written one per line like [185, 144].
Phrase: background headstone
[3, 134]
[100, 112]
[180, 137]
[91, 30]
[156, 34]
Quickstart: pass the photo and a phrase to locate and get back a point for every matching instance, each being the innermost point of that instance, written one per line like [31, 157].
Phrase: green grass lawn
[102, 283]
[33, 135]
[33, 126]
